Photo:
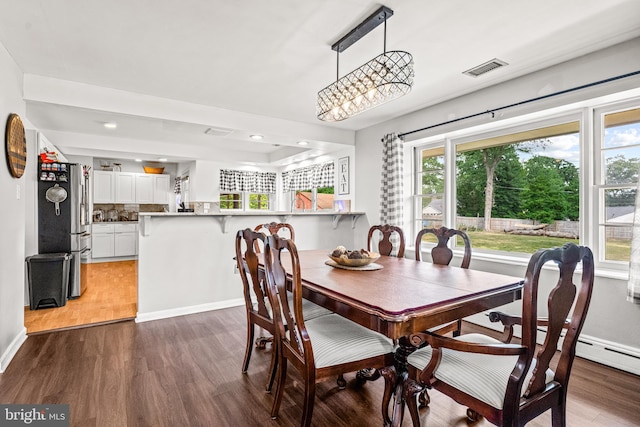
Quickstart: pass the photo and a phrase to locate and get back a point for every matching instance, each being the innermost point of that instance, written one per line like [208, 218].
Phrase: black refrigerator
[63, 217]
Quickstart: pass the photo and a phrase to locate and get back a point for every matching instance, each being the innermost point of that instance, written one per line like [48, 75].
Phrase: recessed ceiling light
[162, 160]
[256, 137]
[138, 160]
[303, 143]
[110, 125]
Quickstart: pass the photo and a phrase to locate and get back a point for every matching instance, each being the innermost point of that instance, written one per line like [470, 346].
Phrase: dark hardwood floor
[185, 371]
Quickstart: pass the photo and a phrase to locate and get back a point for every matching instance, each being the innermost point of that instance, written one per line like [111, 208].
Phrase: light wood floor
[111, 295]
[186, 371]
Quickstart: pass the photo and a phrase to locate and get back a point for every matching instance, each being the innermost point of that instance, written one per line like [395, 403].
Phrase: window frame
[598, 210]
[244, 201]
[452, 140]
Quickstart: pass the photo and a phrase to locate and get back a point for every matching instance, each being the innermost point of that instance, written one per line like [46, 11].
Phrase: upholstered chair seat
[484, 376]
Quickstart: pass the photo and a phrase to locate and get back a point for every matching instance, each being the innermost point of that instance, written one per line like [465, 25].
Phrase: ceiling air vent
[485, 68]
[217, 131]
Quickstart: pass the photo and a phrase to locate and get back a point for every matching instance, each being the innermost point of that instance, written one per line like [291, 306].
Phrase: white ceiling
[256, 66]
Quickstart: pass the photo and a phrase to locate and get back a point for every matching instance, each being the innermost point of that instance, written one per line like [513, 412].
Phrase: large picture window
[514, 191]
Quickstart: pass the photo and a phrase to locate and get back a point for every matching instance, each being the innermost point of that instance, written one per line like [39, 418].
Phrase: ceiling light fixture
[256, 137]
[138, 160]
[303, 143]
[110, 125]
[162, 160]
[385, 77]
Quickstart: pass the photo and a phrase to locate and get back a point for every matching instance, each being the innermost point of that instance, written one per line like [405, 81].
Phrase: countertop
[245, 213]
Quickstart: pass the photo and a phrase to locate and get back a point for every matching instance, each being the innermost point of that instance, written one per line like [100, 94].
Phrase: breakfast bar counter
[186, 260]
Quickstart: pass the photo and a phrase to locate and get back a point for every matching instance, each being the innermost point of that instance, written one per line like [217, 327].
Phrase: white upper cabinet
[125, 187]
[103, 187]
[145, 185]
[130, 187]
[161, 189]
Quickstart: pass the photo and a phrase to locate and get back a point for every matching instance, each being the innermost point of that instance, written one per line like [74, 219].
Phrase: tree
[544, 197]
[471, 183]
[432, 178]
[621, 170]
[491, 157]
[471, 178]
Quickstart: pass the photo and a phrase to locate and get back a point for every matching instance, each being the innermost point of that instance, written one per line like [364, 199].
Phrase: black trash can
[48, 280]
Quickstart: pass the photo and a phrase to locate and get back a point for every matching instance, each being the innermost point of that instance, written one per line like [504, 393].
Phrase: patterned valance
[320, 175]
[254, 182]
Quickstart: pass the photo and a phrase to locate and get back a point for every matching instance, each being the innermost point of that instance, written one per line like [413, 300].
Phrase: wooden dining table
[402, 297]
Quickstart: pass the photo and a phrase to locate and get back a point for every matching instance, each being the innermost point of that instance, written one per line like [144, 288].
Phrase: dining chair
[320, 347]
[255, 297]
[511, 384]
[280, 228]
[256, 301]
[441, 253]
[388, 233]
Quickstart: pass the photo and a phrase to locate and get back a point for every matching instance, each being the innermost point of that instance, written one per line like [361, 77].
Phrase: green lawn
[616, 250]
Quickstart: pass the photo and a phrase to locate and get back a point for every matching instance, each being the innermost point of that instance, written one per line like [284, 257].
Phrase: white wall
[12, 220]
[608, 310]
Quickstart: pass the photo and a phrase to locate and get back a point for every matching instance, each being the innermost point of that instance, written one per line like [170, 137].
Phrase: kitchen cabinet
[103, 187]
[161, 189]
[102, 240]
[153, 189]
[145, 185]
[130, 187]
[125, 187]
[125, 240]
[114, 240]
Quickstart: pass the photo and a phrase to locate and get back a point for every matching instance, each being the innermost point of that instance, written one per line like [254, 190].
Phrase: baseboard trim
[609, 353]
[13, 348]
[182, 311]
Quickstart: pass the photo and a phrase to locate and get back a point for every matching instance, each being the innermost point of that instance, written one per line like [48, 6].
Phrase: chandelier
[387, 76]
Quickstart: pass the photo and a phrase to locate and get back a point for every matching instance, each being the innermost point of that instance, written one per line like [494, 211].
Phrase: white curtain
[633, 289]
[391, 189]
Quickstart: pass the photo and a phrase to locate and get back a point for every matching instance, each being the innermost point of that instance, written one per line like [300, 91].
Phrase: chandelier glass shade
[385, 77]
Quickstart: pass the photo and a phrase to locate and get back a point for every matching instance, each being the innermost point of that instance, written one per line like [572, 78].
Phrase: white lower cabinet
[114, 240]
[125, 243]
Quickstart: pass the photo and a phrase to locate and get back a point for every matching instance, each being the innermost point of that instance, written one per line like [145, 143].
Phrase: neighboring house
[433, 209]
[303, 200]
[620, 214]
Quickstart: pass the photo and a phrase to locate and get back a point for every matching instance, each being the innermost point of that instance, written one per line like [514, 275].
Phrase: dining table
[400, 296]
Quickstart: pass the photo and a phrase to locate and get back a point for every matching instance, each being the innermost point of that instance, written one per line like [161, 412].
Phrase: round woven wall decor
[16, 145]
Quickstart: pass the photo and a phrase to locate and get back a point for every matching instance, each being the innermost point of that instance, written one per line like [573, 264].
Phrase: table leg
[395, 378]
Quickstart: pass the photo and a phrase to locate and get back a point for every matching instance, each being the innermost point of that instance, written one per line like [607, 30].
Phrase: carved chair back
[441, 253]
[388, 235]
[276, 228]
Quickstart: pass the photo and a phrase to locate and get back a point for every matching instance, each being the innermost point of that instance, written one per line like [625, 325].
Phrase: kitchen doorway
[111, 296]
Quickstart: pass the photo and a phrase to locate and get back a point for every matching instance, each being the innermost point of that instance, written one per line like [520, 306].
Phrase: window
[310, 188]
[516, 190]
[246, 190]
[259, 201]
[230, 201]
[617, 179]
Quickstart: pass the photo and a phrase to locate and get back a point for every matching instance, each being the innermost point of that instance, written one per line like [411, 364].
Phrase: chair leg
[342, 383]
[309, 399]
[410, 390]
[249, 349]
[282, 376]
[272, 368]
[558, 416]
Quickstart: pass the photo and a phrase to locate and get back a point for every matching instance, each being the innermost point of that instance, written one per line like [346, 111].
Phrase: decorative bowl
[149, 169]
[356, 262]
